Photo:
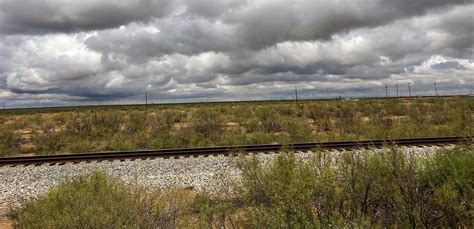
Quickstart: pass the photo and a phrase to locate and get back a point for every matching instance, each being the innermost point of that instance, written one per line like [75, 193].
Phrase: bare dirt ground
[5, 224]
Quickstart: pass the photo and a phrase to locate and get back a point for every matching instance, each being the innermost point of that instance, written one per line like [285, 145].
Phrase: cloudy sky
[85, 51]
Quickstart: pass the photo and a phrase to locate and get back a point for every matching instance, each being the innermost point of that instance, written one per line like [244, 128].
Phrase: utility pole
[396, 86]
[296, 94]
[436, 89]
[409, 90]
[386, 91]
[4, 105]
[146, 100]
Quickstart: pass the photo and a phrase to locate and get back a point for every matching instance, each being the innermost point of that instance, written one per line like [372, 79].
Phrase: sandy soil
[5, 224]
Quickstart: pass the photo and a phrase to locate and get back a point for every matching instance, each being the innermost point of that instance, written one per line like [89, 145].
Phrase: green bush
[451, 177]
[208, 123]
[320, 115]
[106, 122]
[299, 131]
[217, 212]
[270, 119]
[137, 121]
[10, 142]
[347, 119]
[98, 201]
[384, 188]
[251, 124]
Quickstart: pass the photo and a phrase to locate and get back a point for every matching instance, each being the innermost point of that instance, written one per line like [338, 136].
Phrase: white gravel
[22, 183]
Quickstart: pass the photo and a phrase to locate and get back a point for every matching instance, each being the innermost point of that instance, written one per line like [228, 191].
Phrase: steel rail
[225, 150]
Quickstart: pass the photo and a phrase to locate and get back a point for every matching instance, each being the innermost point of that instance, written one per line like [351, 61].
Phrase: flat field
[103, 128]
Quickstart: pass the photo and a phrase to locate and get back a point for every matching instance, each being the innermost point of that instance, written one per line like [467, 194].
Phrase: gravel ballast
[22, 183]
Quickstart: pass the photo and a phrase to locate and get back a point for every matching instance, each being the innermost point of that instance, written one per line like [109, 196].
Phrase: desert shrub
[60, 118]
[270, 120]
[395, 107]
[26, 120]
[286, 109]
[163, 140]
[240, 116]
[215, 212]
[260, 138]
[347, 119]
[450, 177]
[86, 202]
[463, 118]
[164, 120]
[119, 142]
[10, 142]
[79, 124]
[439, 114]
[140, 140]
[232, 138]
[368, 109]
[80, 145]
[129, 141]
[381, 188]
[106, 122]
[98, 201]
[170, 209]
[417, 114]
[51, 140]
[207, 123]
[280, 195]
[137, 121]
[251, 124]
[299, 131]
[382, 124]
[320, 115]
[188, 137]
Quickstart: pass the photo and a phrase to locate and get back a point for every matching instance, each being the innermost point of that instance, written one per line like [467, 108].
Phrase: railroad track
[222, 150]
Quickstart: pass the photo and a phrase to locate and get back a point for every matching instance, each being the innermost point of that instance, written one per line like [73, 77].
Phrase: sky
[63, 52]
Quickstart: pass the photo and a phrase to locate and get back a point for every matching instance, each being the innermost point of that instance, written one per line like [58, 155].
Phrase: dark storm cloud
[255, 25]
[167, 36]
[33, 91]
[84, 94]
[264, 23]
[43, 16]
[448, 65]
[194, 49]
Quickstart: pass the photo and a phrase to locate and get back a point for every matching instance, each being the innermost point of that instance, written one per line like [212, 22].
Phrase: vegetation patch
[372, 188]
[99, 201]
[389, 188]
[92, 129]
